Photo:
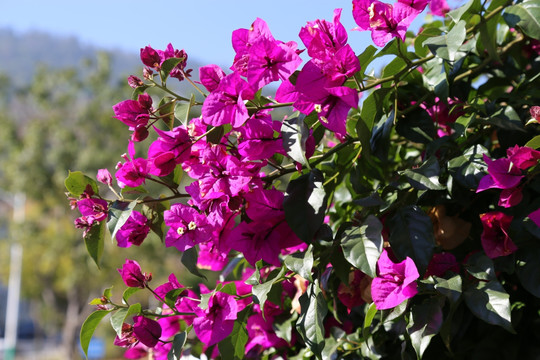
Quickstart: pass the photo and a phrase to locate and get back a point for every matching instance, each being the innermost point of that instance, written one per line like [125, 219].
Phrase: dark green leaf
[260, 291]
[468, 169]
[368, 319]
[172, 296]
[183, 109]
[128, 293]
[305, 204]
[425, 322]
[526, 16]
[425, 177]
[295, 133]
[417, 126]
[366, 57]
[167, 66]
[451, 288]
[119, 213]
[528, 263]
[481, 267]
[76, 183]
[95, 241]
[310, 323]
[189, 260]
[372, 106]
[490, 302]
[233, 347]
[466, 11]
[88, 328]
[166, 111]
[362, 245]
[179, 341]
[534, 143]
[411, 234]
[119, 317]
[301, 263]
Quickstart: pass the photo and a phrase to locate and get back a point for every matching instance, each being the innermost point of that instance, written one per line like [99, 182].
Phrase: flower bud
[134, 81]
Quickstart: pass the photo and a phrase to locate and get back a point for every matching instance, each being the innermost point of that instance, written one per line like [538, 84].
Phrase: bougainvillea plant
[349, 215]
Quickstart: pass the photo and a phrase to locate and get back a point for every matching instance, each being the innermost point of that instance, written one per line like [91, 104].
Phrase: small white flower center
[181, 231]
[192, 225]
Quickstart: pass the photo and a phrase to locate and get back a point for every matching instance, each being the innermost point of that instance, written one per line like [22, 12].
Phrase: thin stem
[177, 196]
[175, 191]
[194, 85]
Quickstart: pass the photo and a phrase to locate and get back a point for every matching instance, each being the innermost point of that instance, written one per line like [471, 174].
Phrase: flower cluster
[317, 210]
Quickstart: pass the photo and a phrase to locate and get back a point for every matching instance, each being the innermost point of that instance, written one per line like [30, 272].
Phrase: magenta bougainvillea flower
[148, 331]
[261, 333]
[535, 110]
[444, 113]
[495, 239]
[243, 39]
[438, 7]
[170, 149]
[134, 230]
[133, 113]
[225, 105]
[441, 263]
[134, 171]
[92, 207]
[210, 76]
[502, 174]
[126, 337]
[257, 139]
[133, 276]
[507, 173]
[104, 177]
[188, 227]
[216, 322]
[385, 21]
[395, 282]
[271, 60]
[331, 103]
[327, 45]
[155, 58]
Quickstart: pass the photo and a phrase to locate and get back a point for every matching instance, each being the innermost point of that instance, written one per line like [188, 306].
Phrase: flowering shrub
[388, 216]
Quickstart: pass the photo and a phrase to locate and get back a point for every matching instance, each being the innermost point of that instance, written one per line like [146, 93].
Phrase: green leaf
[526, 16]
[119, 317]
[301, 262]
[426, 33]
[451, 288]
[233, 347]
[128, 293]
[534, 143]
[88, 328]
[411, 234]
[166, 110]
[425, 177]
[468, 169]
[95, 241]
[481, 267]
[179, 341]
[490, 302]
[295, 133]
[417, 126]
[362, 245]
[76, 183]
[189, 259]
[368, 319]
[260, 291]
[172, 296]
[394, 66]
[466, 11]
[447, 45]
[310, 323]
[366, 57]
[425, 322]
[167, 66]
[119, 213]
[372, 106]
[528, 263]
[305, 204]
[183, 109]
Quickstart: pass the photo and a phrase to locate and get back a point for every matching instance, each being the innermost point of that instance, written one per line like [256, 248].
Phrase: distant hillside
[21, 53]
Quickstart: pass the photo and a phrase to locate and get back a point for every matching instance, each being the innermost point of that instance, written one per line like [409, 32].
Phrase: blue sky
[202, 27]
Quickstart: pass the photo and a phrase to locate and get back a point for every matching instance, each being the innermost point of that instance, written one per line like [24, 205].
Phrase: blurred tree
[61, 110]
